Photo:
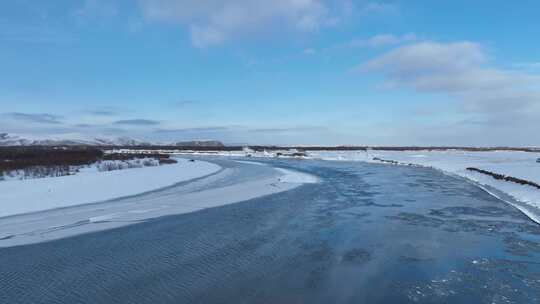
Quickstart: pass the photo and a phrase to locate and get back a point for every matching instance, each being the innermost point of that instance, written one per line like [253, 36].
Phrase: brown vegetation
[15, 158]
[130, 156]
[32, 162]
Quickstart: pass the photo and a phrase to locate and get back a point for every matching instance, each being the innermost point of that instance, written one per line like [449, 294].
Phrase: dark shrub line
[33, 162]
[393, 162]
[166, 161]
[130, 156]
[27, 157]
[505, 177]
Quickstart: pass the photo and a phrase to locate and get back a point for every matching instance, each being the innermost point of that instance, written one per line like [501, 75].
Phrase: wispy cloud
[289, 129]
[137, 122]
[106, 111]
[379, 8]
[213, 22]
[383, 40]
[377, 41]
[102, 112]
[184, 103]
[42, 118]
[194, 130]
[85, 126]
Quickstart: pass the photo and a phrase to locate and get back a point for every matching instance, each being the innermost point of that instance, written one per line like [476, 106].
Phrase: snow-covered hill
[71, 139]
[66, 139]
[200, 143]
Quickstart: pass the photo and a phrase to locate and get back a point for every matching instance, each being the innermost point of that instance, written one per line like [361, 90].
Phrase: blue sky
[273, 72]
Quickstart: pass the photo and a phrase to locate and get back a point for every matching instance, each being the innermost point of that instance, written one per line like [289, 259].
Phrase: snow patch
[24, 196]
[250, 162]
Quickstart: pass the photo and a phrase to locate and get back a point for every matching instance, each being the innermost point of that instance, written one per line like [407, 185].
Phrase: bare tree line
[38, 162]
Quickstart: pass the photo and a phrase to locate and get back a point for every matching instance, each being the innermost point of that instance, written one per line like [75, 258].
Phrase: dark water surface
[366, 234]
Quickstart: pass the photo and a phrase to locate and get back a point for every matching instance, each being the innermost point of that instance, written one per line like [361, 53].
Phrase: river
[366, 233]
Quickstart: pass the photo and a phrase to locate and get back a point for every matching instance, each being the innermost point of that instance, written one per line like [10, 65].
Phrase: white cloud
[212, 22]
[388, 39]
[379, 8]
[383, 40]
[451, 67]
[463, 71]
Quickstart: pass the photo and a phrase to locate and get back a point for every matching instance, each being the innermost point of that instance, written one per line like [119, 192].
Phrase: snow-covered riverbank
[23, 196]
[520, 165]
[234, 182]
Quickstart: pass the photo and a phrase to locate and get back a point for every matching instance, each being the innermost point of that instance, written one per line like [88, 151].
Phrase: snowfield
[115, 202]
[521, 165]
[89, 186]
[233, 182]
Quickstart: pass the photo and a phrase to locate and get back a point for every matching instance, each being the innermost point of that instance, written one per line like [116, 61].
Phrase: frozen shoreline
[32, 195]
[516, 164]
[233, 182]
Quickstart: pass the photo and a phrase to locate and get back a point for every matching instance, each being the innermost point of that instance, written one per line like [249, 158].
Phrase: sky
[312, 72]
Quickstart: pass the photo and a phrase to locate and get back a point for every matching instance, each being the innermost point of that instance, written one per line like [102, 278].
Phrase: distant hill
[200, 143]
[67, 140]
[75, 139]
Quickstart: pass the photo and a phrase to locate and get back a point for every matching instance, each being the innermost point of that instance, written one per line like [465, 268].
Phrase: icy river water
[366, 233]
